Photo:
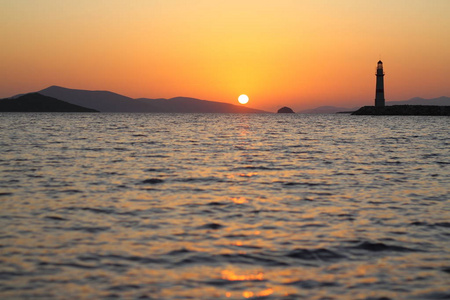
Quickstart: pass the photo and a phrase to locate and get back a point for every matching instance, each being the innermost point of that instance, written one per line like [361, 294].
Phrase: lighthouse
[379, 93]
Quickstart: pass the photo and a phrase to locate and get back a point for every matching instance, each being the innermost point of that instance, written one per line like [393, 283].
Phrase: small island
[285, 110]
[404, 110]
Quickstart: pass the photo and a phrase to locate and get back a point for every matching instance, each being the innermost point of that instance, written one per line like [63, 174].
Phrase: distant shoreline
[404, 110]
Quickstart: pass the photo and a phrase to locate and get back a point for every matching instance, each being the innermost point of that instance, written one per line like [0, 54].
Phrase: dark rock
[285, 110]
[405, 110]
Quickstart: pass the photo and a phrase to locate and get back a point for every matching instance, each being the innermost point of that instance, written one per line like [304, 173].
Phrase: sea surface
[224, 206]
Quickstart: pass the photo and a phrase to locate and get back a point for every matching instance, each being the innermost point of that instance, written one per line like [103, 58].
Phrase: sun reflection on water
[250, 294]
[232, 276]
[239, 200]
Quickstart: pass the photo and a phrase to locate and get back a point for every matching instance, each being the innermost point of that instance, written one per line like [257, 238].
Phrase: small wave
[315, 254]
[71, 191]
[152, 181]
[302, 184]
[250, 259]
[234, 258]
[92, 209]
[124, 287]
[443, 224]
[177, 252]
[88, 229]
[55, 218]
[434, 295]
[221, 282]
[257, 168]
[313, 225]
[126, 258]
[438, 224]
[93, 149]
[378, 247]
[72, 265]
[214, 226]
[156, 170]
[8, 275]
[215, 203]
[200, 179]
[253, 258]
[312, 284]
[34, 176]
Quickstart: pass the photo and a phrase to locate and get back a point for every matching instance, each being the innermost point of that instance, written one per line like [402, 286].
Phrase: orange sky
[298, 53]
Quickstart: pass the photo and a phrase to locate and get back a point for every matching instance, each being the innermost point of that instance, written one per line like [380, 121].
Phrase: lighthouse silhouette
[379, 93]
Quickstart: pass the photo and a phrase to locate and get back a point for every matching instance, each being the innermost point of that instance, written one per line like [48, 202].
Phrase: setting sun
[243, 99]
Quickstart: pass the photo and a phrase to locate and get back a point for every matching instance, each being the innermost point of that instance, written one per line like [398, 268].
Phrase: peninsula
[404, 110]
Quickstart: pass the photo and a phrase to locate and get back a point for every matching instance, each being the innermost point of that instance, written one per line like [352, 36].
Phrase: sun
[243, 99]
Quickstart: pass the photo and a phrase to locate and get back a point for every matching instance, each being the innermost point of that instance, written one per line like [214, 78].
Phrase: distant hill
[441, 101]
[103, 101]
[106, 101]
[35, 102]
[192, 105]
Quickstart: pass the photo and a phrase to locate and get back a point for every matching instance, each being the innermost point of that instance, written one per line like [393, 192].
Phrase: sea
[224, 206]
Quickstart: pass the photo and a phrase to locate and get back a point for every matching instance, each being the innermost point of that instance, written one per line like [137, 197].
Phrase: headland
[35, 102]
[404, 110]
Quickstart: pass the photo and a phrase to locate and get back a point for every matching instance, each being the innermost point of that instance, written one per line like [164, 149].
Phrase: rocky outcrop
[285, 110]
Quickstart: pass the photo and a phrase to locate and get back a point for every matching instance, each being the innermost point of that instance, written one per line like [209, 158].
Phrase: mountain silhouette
[192, 105]
[106, 101]
[35, 102]
[103, 101]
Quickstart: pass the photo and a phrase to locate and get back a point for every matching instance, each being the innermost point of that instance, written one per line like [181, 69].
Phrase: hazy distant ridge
[106, 101]
[440, 101]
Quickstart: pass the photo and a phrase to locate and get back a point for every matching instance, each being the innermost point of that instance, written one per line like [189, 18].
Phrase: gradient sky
[302, 54]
